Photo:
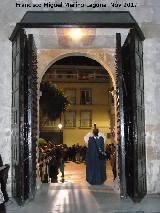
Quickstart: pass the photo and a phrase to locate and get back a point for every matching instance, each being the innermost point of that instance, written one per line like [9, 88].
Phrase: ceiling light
[75, 33]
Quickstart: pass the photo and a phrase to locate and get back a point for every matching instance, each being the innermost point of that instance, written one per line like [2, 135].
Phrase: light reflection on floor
[74, 195]
[76, 173]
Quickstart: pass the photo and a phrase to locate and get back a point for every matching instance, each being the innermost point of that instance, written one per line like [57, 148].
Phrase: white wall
[148, 17]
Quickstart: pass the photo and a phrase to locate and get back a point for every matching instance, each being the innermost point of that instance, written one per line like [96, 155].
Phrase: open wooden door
[132, 125]
[24, 116]
[32, 113]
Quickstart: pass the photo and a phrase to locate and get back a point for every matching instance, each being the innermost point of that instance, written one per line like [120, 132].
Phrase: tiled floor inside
[75, 195]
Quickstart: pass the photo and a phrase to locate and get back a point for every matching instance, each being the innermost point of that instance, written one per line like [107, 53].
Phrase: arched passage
[107, 60]
[99, 106]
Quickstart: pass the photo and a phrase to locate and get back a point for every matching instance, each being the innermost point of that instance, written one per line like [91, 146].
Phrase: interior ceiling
[52, 38]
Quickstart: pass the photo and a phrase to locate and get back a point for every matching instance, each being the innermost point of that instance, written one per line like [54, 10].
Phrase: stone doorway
[131, 137]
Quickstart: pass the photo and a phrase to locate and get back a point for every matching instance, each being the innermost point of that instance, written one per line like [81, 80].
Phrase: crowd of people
[52, 158]
[110, 150]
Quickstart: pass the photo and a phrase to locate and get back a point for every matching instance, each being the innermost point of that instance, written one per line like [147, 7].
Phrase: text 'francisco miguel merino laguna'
[76, 4]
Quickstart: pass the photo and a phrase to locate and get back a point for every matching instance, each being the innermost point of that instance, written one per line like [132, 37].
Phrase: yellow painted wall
[100, 111]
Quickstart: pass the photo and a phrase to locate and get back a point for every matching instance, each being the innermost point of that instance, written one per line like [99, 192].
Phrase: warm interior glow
[69, 37]
[75, 33]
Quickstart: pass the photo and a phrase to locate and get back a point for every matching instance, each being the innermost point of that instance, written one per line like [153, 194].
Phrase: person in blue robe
[95, 168]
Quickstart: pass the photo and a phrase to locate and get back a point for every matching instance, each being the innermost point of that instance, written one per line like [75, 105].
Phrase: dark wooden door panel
[24, 116]
[18, 68]
[132, 64]
[32, 113]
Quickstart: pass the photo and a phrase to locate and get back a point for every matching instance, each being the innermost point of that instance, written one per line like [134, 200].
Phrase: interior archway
[76, 55]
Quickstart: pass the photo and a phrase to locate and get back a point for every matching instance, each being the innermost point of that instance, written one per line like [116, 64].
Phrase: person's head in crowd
[95, 132]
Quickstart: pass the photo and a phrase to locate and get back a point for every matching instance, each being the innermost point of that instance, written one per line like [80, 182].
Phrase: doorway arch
[101, 57]
[105, 59]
